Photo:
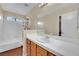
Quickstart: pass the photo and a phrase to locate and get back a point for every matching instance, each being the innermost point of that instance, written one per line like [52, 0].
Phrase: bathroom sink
[43, 39]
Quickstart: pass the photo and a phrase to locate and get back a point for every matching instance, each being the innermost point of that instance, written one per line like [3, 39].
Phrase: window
[11, 18]
[14, 19]
[19, 20]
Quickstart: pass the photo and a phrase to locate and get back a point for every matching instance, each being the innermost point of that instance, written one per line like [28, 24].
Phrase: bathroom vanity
[11, 48]
[13, 52]
[38, 45]
[35, 50]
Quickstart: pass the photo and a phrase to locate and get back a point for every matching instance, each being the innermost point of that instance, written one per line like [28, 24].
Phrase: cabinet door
[41, 51]
[28, 47]
[33, 49]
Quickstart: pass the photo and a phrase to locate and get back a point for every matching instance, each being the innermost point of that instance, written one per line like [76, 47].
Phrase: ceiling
[56, 8]
[19, 8]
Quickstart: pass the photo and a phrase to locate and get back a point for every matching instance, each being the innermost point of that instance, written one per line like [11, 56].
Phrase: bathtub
[11, 44]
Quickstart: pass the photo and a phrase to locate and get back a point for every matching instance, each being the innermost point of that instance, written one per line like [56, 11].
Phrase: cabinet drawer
[41, 51]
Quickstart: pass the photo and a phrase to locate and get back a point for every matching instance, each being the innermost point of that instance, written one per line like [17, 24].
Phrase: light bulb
[40, 23]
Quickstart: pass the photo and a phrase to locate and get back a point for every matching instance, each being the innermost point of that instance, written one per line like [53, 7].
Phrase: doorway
[59, 25]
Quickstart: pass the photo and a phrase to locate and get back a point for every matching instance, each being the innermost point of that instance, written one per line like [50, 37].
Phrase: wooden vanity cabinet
[31, 48]
[35, 50]
[13, 52]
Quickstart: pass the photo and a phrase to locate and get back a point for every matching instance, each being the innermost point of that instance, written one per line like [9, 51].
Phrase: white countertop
[8, 45]
[57, 45]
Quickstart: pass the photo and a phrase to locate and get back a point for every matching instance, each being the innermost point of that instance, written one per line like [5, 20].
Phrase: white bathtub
[11, 44]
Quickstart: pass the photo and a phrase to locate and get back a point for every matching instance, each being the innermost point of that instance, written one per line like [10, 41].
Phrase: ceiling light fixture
[42, 5]
[26, 4]
[39, 23]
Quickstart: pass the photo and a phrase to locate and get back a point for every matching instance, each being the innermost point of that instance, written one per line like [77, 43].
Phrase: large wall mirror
[61, 22]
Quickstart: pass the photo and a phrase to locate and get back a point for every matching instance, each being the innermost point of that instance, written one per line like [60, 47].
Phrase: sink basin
[43, 39]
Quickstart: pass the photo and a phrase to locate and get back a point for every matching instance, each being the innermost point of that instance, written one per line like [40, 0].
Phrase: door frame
[58, 26]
